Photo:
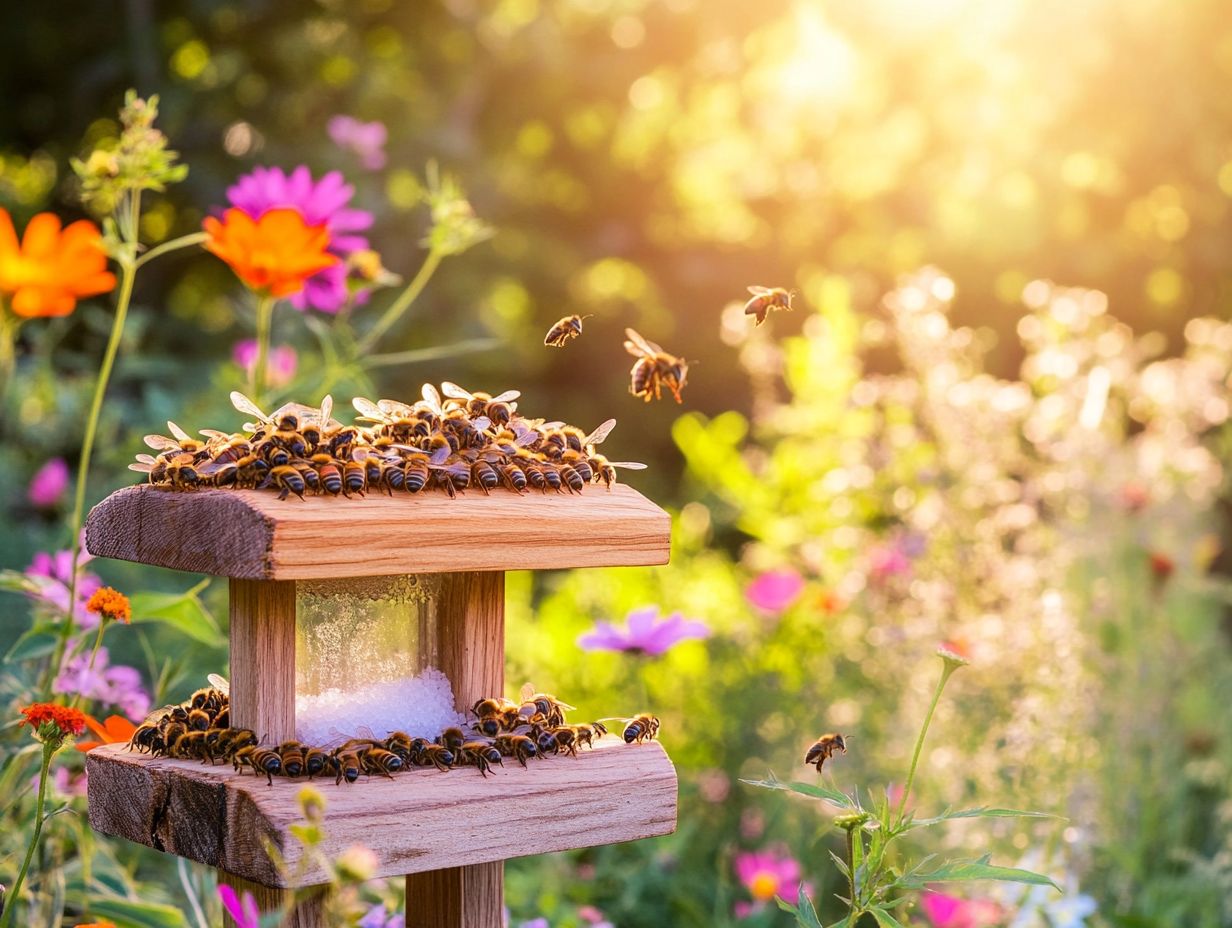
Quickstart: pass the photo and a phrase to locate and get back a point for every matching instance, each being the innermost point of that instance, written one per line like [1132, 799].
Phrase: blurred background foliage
[645, 161]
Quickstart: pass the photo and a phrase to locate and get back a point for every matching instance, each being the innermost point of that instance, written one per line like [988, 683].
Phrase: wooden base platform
[422, 819]
[253, 535]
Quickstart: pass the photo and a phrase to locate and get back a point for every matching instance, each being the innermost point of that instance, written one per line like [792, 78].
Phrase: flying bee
[654, 369]
[548, 706]
[379, 760]
[564, 329]
[479, 754]
[292, 756]
[765, 299]
[498, 409]
[287, 479]
[261, 760]
[345, 764]
[519, 747]
[644, 727]
[824, 748]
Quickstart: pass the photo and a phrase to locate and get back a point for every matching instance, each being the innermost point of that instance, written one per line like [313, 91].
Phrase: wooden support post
[470, 638]
[263, 699]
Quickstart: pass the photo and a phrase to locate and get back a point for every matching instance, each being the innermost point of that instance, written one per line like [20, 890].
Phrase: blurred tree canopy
[645, 161]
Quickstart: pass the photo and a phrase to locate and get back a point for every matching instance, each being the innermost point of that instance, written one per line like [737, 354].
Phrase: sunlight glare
[822, 67]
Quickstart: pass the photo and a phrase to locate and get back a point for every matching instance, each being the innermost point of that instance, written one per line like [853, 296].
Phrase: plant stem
[184, 241]
[400, 305]
[851, 866]
[265, 318]
[12, 900]
[98, 642]
[919, 744]
[8, 354]
[128, 273]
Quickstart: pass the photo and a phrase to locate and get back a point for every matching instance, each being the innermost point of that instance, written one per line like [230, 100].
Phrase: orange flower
[110, 604]
[52, 267]
[68, 721]
[274, 254]
[97, 925]
[116, 730]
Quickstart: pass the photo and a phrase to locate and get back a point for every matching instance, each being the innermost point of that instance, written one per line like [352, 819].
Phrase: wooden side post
[263, 699]
[470, 640]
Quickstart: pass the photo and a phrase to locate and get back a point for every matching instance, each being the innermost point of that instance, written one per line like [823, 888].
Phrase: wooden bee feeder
[450, 831]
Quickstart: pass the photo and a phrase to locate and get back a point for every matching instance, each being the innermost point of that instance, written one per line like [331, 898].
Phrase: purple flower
[243, 910]
[774, 590]
[377, 917]
[48, 484]
[50, 575]
[365, 139]
[893, 558]
[63, 782]
[281, 366]
[539, 922]
[119, 686]
[321, 202]
[643, 633]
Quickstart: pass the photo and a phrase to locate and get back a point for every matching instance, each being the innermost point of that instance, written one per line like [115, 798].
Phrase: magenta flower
[281, 365]
[378, 917]
[119, 686]
[244, 910]
[48, 484]
[766, 874]
[365, 139]
[946, 911]
[321, 202]
[775, 590]
[64, 782]
[50, 575]
[643, 633]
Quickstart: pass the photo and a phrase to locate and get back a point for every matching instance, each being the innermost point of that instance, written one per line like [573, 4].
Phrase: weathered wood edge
[421, 820]
[253, 535]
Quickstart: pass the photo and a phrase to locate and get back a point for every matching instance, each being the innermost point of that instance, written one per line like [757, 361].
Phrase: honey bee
[285, 433]
[287, 479]
[329, 474]
[393, 419]
[452, 738]
[765, 299]
[644, 727]
[180, 471]
[519, 747]
[260, 760]
[198, 720]
[401, 744]
[345, 764]
[437, 755]
[605, 470]
[654, 369]
[498, 409]
[192, 745]
[182, 443]
[551, 709]
[495, 715]
[233, 740]
[564, 329]
[292, 755]
[479, 754]
[824, 748]
[379, 760]
[589, 734]
[155, 468]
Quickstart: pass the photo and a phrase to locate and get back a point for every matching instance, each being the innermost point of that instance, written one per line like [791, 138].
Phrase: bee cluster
[450, 444]
[200, 729]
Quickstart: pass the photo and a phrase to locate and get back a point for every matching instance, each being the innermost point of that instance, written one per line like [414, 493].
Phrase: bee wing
[440, 455]
[141, 468]
[640, 345]
[161, 443]
[359, 454]
[215, 434]
[219, 683]
[365, 732]
[453, 391]
[602, 432]
[209, 468]
[627, 465]
[507, 396]
[179, 433]
[528, 690]
[157, 715]
[432, 398]
[483, 423]
[368, 409]
[247, 406]
[760, 291]
[327, 409]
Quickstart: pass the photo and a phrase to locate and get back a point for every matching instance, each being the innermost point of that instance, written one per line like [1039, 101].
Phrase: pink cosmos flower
[946, 911]
[766, 874]
[365, 139]
[119, 686]
[320, 202]
[714, 785]
[48, 484]
[50, 575]
[643, 633]
[281, 365]
[64, 782]
[775, 590]
[243, 909]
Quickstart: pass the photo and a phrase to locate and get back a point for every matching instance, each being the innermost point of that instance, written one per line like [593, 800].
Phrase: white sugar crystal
[420, 705]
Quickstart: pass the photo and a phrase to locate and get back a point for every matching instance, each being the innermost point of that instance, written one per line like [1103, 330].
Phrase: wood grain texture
[470, 636]
[420, 820]
[307, 913]
[252, 534]
[263, 658]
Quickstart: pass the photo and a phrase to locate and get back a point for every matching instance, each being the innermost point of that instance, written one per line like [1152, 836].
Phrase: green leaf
[36, 642]
[841, 864]
[806, 915]
[983, 812]
[884, 918]
[129, 914]
[954, 871]
[805, 789]
[182, 611]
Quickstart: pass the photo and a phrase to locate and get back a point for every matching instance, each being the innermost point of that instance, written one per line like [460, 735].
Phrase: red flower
[1162, 566]
[40, 714]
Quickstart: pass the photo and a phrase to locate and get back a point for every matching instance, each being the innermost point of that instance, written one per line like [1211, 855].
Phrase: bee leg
[270, 777]
[283, 495]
